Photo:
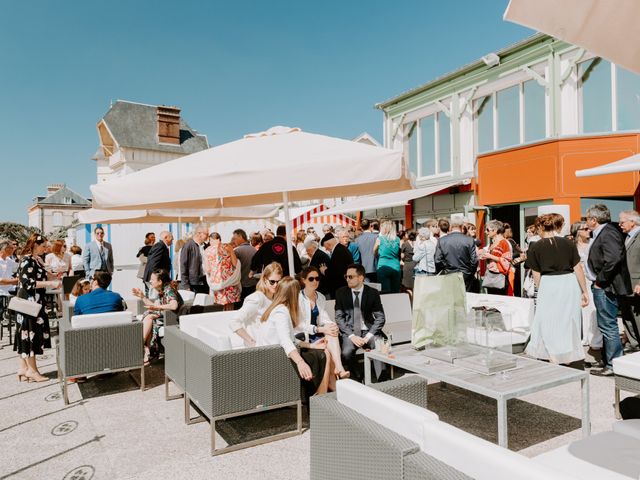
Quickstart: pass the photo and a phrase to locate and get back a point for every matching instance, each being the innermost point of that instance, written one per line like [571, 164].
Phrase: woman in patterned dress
[32, 334]
[223, 273]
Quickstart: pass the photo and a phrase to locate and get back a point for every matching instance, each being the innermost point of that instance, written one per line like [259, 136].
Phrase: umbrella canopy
[606, 28]
[629, 164]
[94, 215]
[256, 170]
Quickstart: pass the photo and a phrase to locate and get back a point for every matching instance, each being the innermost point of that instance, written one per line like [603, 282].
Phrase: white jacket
[249, 315]
[304, 306]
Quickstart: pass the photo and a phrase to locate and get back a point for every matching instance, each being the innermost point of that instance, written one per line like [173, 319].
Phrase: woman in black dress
[32, 334]
[408, 239]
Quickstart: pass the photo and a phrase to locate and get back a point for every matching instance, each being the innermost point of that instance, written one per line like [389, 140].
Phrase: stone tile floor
[112, 430]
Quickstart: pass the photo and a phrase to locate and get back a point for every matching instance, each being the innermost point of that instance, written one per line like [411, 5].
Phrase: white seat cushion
[101, 319]
[480, 459]
[605, 456]
[396, 415]
[628, 427]
[187, 295]
[214, 339]
[627, 365]
[215, 321]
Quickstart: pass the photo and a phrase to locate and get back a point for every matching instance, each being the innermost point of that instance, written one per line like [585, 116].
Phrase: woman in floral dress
[32, 335]
[163, 297]
[223, 273]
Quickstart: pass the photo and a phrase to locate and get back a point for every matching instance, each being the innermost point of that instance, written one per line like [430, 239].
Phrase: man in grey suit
[192, 276]
[98, 255]
[366, 242]
[456, 252]
[630, 305]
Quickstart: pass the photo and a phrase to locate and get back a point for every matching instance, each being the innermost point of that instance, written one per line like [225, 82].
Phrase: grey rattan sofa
[345, 444]
[231, 383]
[91, 351]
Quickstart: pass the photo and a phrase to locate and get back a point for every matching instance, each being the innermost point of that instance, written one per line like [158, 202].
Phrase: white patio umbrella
[94, 215]
[629, 164]
[281, 164]
[607, 28]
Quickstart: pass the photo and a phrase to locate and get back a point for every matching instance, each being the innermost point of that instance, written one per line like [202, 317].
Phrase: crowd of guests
[579, 282]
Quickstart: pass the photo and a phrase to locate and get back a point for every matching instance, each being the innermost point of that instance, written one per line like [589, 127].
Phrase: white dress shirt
[7, 268]
[590, 275]
[277, 330]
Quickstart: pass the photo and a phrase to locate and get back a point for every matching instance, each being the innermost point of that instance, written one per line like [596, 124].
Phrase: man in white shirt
[360, 317]
[630, 304]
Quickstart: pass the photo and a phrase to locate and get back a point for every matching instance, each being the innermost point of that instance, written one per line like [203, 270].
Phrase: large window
[594, 80]
[534, 111]
[429, 144]
[510, 116]
[628, 101]
[484, 115]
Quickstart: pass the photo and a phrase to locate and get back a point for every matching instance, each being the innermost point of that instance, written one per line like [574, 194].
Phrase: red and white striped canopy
[307, 218]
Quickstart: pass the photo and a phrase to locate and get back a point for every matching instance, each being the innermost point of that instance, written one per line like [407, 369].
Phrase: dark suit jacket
[321, 258]
[607, 261]
[456, 252]
[633, 259]
[158, 258]
[341, 258]
[191, 272]
[370, 305]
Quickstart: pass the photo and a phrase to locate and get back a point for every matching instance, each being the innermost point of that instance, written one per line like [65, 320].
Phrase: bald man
[159, 257]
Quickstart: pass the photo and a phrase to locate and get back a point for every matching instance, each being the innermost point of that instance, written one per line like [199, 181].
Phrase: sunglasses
[273, 282]
[349, 277]
[313, 279]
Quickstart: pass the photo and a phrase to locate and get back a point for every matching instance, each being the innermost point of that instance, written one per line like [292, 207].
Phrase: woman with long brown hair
[58, 261]
[32, 335]
[277, 327]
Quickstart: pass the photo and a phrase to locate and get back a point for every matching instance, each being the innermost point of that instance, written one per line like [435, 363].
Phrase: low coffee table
[530, 376]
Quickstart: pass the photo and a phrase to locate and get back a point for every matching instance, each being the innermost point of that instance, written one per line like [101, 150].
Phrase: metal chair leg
[617, 403]
[142, 379]
[168, 397]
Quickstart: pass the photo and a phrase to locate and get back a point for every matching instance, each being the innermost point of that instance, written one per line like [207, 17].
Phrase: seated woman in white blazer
[315, 325]
[277, 327]
[248, 317]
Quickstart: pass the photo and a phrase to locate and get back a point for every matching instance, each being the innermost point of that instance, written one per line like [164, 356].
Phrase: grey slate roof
[134, 125]
[57, 198]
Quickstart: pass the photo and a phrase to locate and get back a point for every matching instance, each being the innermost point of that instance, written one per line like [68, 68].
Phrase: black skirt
[316, 359]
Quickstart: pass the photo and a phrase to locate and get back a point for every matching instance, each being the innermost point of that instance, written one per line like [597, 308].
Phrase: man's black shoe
[602, 372]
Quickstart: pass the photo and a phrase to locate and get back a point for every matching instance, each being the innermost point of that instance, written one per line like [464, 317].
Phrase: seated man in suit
[360, 317]
[99, 299]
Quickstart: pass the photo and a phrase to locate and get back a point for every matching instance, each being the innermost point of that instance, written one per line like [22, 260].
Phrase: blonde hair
[179, 244]
[388, 230]
[273, 267]
[287, 294]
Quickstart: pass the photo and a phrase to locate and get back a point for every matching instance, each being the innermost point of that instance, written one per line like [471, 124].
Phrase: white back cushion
[330, 308]
[187, 295]
[203, 300]
[214, 339]
[396, 415]
[480, 459]
[377, 286]
[101, 319]
[630, 428]
[397, 307]
[218, 322]
[516, 311]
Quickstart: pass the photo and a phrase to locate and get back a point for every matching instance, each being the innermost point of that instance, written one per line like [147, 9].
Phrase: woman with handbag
[32, 335]
[557, 325]
[223, 272]
[498, 260]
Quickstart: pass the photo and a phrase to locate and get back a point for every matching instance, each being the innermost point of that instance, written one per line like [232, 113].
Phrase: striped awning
[307, 218]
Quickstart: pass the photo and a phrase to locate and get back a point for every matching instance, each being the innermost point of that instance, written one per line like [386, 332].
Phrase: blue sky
[233, 68]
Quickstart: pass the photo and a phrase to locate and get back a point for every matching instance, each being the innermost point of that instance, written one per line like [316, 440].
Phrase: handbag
[493, 280]
[25, 307]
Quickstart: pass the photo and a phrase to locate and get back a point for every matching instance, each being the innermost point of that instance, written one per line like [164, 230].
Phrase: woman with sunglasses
[278, 325]
[315, 325]
[591, 334]
[248, 317]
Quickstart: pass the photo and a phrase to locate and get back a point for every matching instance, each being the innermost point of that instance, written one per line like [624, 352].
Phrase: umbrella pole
[287, 222]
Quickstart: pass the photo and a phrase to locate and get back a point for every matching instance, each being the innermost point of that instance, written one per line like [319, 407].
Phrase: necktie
[357, 315]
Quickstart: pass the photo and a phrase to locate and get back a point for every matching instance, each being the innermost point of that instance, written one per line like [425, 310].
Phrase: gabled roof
[58, 198]
[134, 125]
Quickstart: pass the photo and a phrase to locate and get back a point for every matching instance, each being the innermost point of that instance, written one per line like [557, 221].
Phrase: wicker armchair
[91, 351]
[345, 444]
[232, 383]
